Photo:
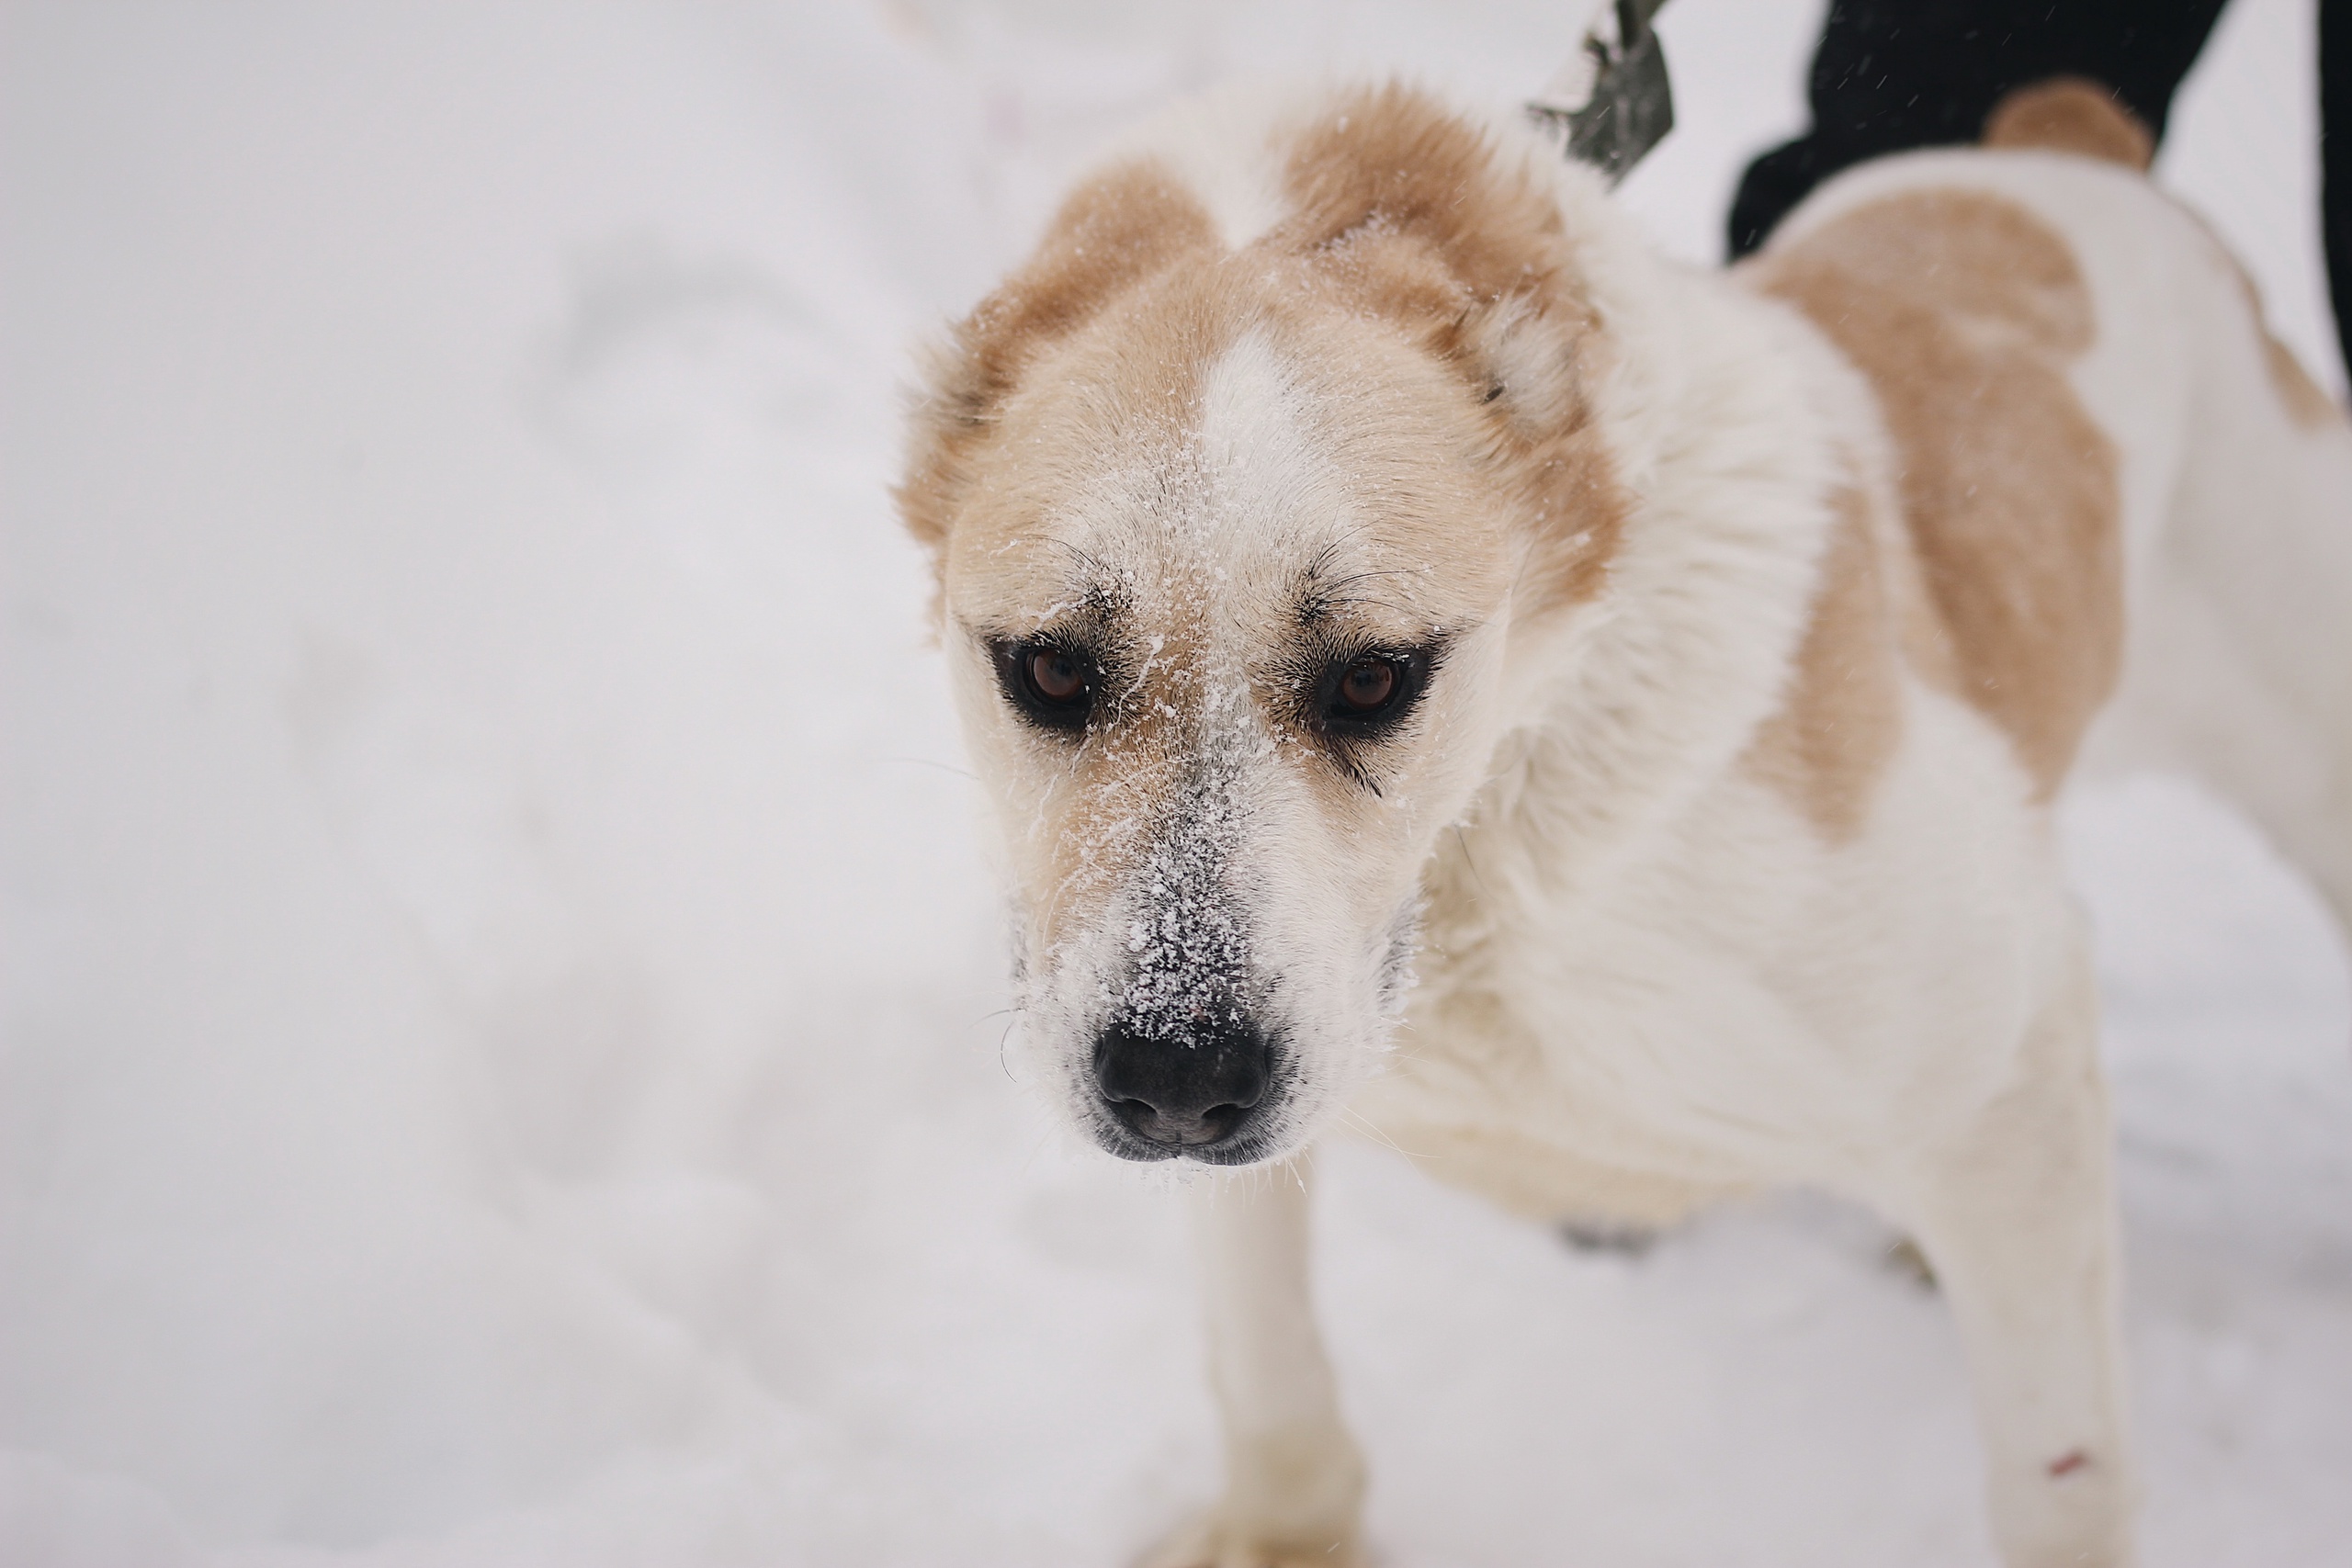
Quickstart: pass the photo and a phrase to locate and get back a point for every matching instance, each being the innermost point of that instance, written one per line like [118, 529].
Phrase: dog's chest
[1600, 1082]
[1747, 1007]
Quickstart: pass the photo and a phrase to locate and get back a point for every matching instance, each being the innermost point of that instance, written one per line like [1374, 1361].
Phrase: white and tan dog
[1360, 553]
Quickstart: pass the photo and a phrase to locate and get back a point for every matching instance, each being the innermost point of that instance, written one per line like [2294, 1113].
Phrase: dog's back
[2132, 507]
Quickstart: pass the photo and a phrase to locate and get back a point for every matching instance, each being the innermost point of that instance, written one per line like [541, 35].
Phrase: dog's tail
[2070, 114]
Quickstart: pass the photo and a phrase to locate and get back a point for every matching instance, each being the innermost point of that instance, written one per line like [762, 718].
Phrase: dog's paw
[1294, 1495]
[1213, 1540]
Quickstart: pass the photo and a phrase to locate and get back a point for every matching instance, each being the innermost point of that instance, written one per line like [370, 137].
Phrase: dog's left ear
[1418, 212]
[1426, 220]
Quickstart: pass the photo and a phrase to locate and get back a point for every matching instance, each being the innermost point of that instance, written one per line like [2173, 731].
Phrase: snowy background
[500, 1001]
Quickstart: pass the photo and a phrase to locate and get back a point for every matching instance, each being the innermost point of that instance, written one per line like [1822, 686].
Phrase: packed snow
[502, 1001]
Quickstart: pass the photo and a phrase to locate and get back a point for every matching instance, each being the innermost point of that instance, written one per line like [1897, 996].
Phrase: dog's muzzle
[1194, 1090]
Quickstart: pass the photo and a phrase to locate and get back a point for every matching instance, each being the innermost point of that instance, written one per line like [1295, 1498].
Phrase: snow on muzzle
[1187, 1059]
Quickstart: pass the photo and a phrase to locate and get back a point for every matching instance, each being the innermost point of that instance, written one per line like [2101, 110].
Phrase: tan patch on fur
[1964, 311]
[1113, 234]
[1388, 163]
[2071, 114]
[1409, 211]
[1843, 715]
[1101, 820]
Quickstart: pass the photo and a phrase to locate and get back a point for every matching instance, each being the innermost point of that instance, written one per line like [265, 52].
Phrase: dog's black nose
[1183, 1091]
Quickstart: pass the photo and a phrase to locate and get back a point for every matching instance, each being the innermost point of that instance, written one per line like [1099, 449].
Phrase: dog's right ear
[1117, 230]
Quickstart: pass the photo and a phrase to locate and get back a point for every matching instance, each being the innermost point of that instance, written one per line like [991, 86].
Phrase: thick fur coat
[1441, 668]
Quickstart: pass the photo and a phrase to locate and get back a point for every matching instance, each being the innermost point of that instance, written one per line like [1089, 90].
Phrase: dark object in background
[2336, 161]
[1895, 74]
[1612, 102]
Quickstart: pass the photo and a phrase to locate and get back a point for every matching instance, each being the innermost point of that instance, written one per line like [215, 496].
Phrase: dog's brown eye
[1055, 677]
[1368, 685]
[1050, 686]
[1364, 697]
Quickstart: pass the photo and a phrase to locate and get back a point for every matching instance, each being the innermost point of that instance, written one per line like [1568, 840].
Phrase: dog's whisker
[1463, 842]
[1373, 1130]
[1001, 1042]
[1044, 1136]
[931, 762]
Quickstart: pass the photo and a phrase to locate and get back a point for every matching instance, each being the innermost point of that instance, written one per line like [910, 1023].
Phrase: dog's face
[1231, 541]
[1226, 659]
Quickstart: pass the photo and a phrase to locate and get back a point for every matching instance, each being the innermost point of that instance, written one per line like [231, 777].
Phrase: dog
[1437, 665]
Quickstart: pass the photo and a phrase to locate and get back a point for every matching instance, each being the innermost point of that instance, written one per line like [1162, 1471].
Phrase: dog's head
[1235, 517]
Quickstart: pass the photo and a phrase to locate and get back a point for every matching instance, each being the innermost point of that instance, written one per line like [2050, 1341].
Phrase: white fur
[1651, 979]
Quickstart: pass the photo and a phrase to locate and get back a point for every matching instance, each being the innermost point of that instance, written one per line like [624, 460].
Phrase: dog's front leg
[1294, 1477]
[2018, 1217]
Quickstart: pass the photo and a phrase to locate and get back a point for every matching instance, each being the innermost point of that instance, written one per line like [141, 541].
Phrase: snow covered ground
[500, 1001]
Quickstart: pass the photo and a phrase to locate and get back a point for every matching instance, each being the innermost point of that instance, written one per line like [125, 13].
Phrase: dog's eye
[1361, 697]
[1055, 677]
[1051, 686]
[1367, 686]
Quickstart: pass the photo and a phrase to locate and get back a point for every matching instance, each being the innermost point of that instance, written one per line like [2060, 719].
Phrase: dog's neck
[1629, 707]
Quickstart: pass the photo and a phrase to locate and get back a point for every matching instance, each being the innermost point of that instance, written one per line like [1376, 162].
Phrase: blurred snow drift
[501, 1029]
